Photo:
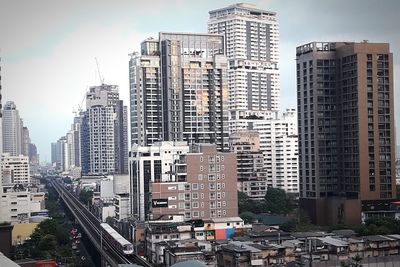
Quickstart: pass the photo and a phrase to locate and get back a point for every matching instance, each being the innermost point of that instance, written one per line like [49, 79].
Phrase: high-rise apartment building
[182, 78]
[346, 129]
[26, 140]
[107, 131]
[251, 172]
[278, 143]
[12, 129]
[252, 49]
[146, 95]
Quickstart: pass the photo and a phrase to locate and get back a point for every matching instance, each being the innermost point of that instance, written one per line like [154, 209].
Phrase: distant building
[346, 129]
[15, 170]
[12, 129]
[106, 128]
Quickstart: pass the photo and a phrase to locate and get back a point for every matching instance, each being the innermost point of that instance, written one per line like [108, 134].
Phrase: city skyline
[48, 55]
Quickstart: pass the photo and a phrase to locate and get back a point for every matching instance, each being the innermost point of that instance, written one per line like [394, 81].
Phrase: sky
[48, 47]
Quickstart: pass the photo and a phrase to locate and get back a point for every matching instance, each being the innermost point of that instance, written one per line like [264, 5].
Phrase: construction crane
[77, 112]
[98, 71]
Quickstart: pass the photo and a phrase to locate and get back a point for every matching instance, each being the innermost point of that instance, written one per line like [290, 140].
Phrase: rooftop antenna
[98, 71]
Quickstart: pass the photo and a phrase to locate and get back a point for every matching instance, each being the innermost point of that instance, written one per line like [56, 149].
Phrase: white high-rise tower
[252, 48]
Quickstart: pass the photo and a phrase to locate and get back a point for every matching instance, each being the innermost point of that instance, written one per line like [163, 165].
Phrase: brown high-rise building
[346, 129]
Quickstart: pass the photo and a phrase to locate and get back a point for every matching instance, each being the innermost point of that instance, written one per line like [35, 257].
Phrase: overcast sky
[48, 47]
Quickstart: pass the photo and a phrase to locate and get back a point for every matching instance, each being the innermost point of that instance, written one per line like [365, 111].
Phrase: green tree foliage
[86, 196]
[247, 204]
[299, 222]
[379, 226]
[47, 237]
[277, 202]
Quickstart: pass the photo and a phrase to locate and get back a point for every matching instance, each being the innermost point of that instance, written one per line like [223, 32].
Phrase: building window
[195, 186]
[195, 205]
[196, 214]
[211, 177]
[218, 186]
[200, 177]
[211, 186]
[195, 195]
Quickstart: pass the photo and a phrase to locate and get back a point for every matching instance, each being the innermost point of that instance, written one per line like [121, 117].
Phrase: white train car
[116, 239]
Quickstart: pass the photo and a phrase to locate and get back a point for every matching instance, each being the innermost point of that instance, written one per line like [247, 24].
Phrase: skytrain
[116, 239]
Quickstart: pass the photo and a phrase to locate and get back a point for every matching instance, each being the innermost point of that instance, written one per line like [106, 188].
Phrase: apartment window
[200, 177]
[195, 186]
[211, 186]
[201, 168]
[211, 177]
[201, 158]
[195, 205]
[181, 205]
[196, 214]
[195, 195]
[212, 168]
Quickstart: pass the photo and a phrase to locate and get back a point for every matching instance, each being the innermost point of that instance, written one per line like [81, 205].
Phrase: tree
[85, 196]
[248, 216]
[245, 203]
[277, 202]
[379, 226]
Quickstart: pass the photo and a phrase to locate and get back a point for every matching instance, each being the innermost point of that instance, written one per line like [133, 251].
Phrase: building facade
[107, 131]
[252, 49]
[151, 164]
[197, 183]
[179, 90]
[346, 128]
[279, 145]
[15, 169]
[12, 129]
[146, 95]
[251, 172]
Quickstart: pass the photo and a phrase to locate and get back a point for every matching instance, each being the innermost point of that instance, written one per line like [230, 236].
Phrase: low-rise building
[15, 169]
[17, 204]
[158, 233]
